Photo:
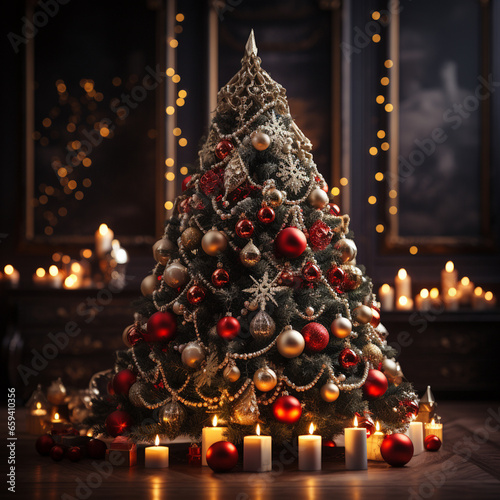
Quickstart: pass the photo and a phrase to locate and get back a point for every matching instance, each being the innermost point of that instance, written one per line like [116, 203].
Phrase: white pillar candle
[449, 278]
[103, 239]
[355, 447]
[386, 297]
[465, 289]
[423, 300]
[156, 457]
[490, 299]
[373, 443]
[402, 283]
[404, 303]
[416, 433]
[209, 436]
[479, 302]
[435, 298]
[452, 300]
[310, 451]
[257, 452]
[40, 277]
[434, 428]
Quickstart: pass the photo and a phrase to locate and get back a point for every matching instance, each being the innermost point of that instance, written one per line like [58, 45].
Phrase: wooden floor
[468, 466]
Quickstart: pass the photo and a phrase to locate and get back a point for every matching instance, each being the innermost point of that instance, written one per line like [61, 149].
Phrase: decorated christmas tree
[256, 310]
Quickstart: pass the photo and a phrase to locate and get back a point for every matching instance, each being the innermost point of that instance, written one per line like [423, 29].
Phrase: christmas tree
[256, 310]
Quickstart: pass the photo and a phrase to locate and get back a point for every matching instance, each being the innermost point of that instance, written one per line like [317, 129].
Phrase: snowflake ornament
[291, 175]
[264, 290]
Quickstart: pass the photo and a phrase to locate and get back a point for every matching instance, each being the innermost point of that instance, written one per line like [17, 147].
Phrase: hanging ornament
[196, 294]
[118, 422]
[220, 278]
[228, 328]
[397, 449]
[163, 250]
[375, 385]
[161, 326]
[176, 275]
[320, 235]
[193, 355]
[265, 379]
[372, 354]
[266, 215]
[191, 238]
[214, 242]
[273, 197]
[290, 243]
[336, 277]
[311, 272]
[231, 373]
[250, 255]
[290, 343]
[353, 277]
[286, 278]
[260, 140]
[234, 175]
[148, 285]
[262, 326]
[330, 392]
[287, 410]
[347, 249]
[246, 410]
[244, 228]
[412, 408]
[348, 358]
[172, 414]
[178, 308]
[185, 183]
[341, 327]
[222, 456]
[432, 442]
[212, 182]
[362, 314]
[316, 337]
[136, 394]
[123, 381]
[223, 149]
[56, 393]
[318, 198]
[334, 209]
[375, 321]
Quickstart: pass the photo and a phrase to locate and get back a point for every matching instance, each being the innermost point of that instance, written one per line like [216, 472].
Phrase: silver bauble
[193, 355]
[291, 343]
[265, 379]
[250, 255]
[341, 328]
[274, 197]
[231, 373]
[214, 242]
[176, 275]
[148, 285]
[318, 198]
[372, 353]
[125, 336]
[172, 414]
[178, 308]
[260, 140]
[262, 326]
[347, 249]
[362, 314]
[162, 250]
[191, 238]
[330, 392]
[135, 394]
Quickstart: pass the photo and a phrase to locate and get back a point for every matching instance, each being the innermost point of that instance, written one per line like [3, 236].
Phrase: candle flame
[478, 291]
[488, 296]
[449, 266]
[433, 422]
[311, 428]
[157, 440]
[40, 272]
[53, 271]
[424, 293]
[403, 300]
[434, 293]
[386, 288]
[90, 433]
[56, 416]
[257, 430]
[103, 229]
[38, 406]
[402, 274]
[76, 267]
[465, 281]
[355, 421]
[452, 292]
[214, 421]
[377, 426]
[8, 269]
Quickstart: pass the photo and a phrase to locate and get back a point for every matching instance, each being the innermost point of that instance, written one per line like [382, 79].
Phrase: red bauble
[266, 215]
[432, 443]
[348, 358]
[96, 449]
[376, 384]
[287, 410]
[122, 382]
[244, 228]
[134, 335]
[185, 182]
[228, 328]
[220, 278]
[311, 272]
[397, 449]
[334, 209]
[290, 243]
[223, 149]
[316, 337]
[211, 182]
[57, 453]
[320, 235]
[328, 443]
[44, 444]
[161, 326]
[287, 278]
[222, 456]
[74, 453]
[196, 294]
[118, 422]
[336, 277]
[375, 318]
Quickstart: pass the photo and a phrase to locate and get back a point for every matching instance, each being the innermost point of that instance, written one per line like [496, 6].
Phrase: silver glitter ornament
[172, 414]
[262, 326]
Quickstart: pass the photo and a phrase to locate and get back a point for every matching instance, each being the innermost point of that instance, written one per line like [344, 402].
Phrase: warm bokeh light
[179, 17]
[176, 78]
[104, 131]
[393, 193]
[389, 107]
[403, 300]
[57, 417]
[169, 162]
[40, 272]
[381, 134]
[182, 93]
[388, 63]
[372, 200]
[170, 176]
[402, 274]
[449, 266]
[76, 267]
[384, 81]
[488, 296]
[452, 292]
[424, 293]
[373, 150]
[344, 181]
[376, 38]
[478, 291]
[174, 44]
[169, 205]
[87, 253]
[376, 15]
[379, 228]
[53, 271]
[184, 170]
[393, 210]
[386, 288]
[413, 250]
[183, 142]
[170, 110]
[103, 229]
[66, 259]
[170, 72]
[385, 146]
[380, 99]
[379, 176]
[8, 269]
[177, 131]
[465, 281]
[434, 293]
[335, 191]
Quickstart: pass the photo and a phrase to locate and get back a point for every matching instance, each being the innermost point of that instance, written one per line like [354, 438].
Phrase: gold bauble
[231, 373]
[362, 314]
[262, 326]
[176, 275]
[178, 308]
[290, 343]
[246, 410]
[162, 250]
[265, 379]
[191, 238]
[341, 328]
[330, 392]
[193, 355]
[274, 197]
[372, 353]
[347, 249]
[318, 198]
[214, 242]
[136, 394]
[148, 285]
[172, 414]
[260, 140]
[250, 255]
[125, 336]
[353, 277]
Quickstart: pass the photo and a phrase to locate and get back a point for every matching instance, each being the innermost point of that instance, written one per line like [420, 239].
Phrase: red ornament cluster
[118, 423]
[320, 235]
[336, 277]
[311, 272]
[348, 358]
[196, 294]
[212, 182]
[244, 228]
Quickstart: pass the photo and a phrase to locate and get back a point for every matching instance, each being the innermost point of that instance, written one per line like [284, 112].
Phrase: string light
[183, 142]
[379, 228]
[169, 205]
[388, 63]
[170, 72]
[388, 107]
[335, 191]
[379, 176]
[179, 17]
[177, 131]
[170, 110]
[372, 200]
[488, 296]
[376, 15]
[380, 99]
[344, 181]
[169, 162]
[393, 193]
[174, 44]
[465, 281]
[384, 81]
[176, 78]
[170, 176]
[376, 38]
[478, 291]
[184, 170]
[413, 250]
[373, 150]
[393, 210]
[381, 134]
[434, 293]
[384, 146]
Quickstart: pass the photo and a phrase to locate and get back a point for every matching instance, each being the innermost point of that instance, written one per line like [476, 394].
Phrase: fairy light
[53, 270]
[449, 267]
[40, 272]
[170, 176]
[170, 72]
[379, 176]
[424, 293]
[344, 181]
[465, 281]
[169, 205]
[372, 200]
[373, 150]
[379, 228]
[376, 38]
[402, 274]
[452, 292]
[389, 107]
[376, 15]
[403, 300]
[380, 99]
[384, 146]
[388, 64]
[184, 170]
[386, 288]
[393, 210]
[170, 110]
[384, 81]
[381, 134]
[434, 293]
[413, 250]
[169, 162]
[335, 191]
[478, 291]
[488, 296]
[393, 193]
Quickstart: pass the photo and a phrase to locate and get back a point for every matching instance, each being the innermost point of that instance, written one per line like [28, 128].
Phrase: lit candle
[423, 300]
[466, 290]
[416, 433]
[449, 278]
[386, 297]
[402, 283]
[54, 277]
[11, 275]
[434, 428]
[355, 447]
[404, 303]
[490, 299]
[479, 302]
[373, 443]
[72, 281]
[40, 277]
[452, 300]
[103, 239]
[435, 299]
[209, 436]
[156, 457]
[257, 452]
[57, 423]
[34, 420]
[310, 451]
